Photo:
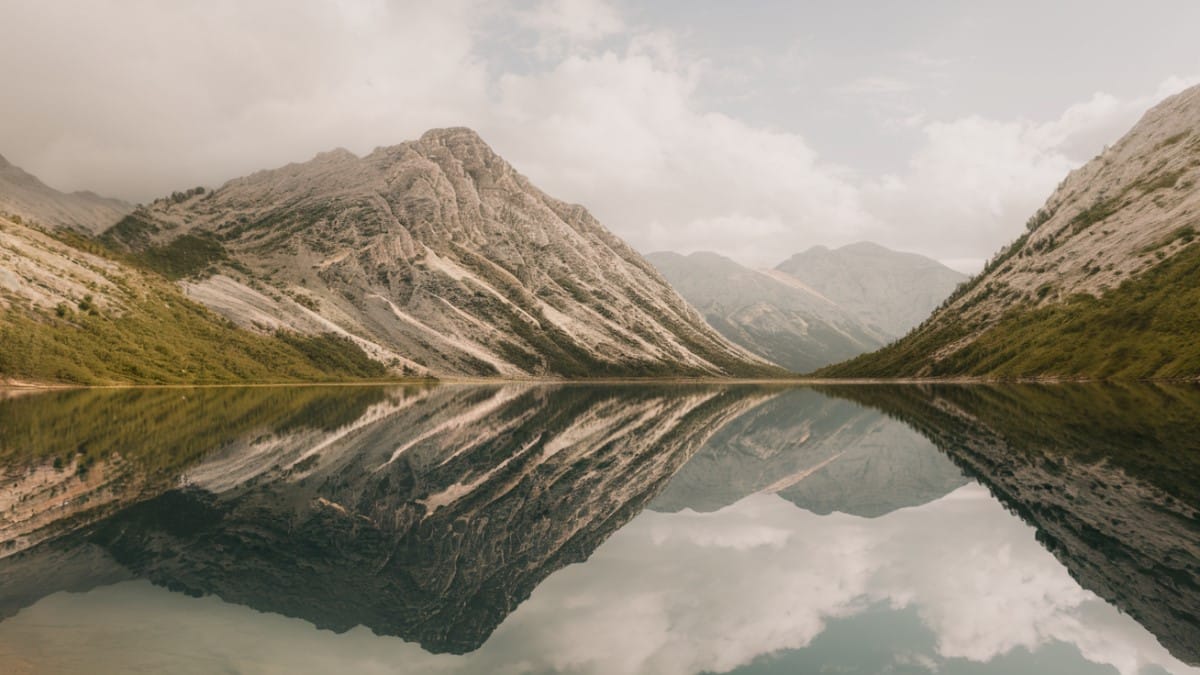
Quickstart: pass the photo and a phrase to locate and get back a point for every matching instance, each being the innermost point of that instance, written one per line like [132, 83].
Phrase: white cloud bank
[139, 98]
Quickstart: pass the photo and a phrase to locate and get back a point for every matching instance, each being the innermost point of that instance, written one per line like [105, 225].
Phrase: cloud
[137, 99]
[563, 24]
[874, 85]
[140, 98]
[621, 133]
[974, 181]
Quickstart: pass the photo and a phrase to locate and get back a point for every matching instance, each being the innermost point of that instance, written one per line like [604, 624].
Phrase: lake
[666, 529]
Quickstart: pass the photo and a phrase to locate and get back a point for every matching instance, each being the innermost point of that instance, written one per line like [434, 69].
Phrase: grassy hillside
[131, 326]
[166, 340]
[1145, 328]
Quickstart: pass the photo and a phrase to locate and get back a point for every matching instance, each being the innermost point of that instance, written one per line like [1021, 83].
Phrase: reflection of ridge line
[789, 481]
[479, 411]
[225, 473]
[456, 491]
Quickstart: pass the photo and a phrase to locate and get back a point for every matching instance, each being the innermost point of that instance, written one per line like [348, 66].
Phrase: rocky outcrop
[440, 252]
[24, 196]
[769, 313]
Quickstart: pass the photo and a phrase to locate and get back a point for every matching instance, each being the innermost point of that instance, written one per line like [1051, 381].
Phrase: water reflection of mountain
[429, 515]
[822, 454]
[432, 513]
[1109, 475]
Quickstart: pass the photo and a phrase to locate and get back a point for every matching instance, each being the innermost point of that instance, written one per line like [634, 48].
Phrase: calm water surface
[589, 529]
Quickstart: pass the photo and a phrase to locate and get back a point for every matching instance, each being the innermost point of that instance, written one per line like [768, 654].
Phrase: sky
[753, 129]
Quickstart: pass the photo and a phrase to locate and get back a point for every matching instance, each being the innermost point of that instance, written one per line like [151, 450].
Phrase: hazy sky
[752, 129]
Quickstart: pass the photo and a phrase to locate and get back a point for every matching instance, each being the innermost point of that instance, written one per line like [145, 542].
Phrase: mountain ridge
[778, 318]
[25, 196]
[890, 290]
[438, 252]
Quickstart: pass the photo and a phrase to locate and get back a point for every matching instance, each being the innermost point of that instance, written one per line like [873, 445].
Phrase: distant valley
[816, 308]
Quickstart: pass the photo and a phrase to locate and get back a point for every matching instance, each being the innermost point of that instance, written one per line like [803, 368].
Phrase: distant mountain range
[24, 196]
[818, 307]
[888, 290]
[1105, 282]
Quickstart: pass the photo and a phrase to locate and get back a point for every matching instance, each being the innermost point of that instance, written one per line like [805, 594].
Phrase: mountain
[436, 251]
[888, 290]
[1105, 282]
[1107, 475]
[24, 196]
[771, 315]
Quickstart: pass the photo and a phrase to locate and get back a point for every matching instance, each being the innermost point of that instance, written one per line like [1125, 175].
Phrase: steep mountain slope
[1105, 282]
[778, 318]
[71, 312]
[889, 290]
[435, 249]
[24, 196]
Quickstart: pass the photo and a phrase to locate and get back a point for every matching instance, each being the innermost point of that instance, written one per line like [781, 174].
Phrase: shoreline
[15, 386]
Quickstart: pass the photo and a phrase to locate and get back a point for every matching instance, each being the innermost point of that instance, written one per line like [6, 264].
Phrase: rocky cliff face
[24, 196]
[772, 315]
[1110, 488]
[884, 289]
[1101, 283]
[438, 252]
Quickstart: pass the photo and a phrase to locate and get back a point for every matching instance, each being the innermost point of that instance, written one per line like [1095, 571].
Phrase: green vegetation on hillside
[1145, 328]
[148, 332]
[164, 338]
[183, 257]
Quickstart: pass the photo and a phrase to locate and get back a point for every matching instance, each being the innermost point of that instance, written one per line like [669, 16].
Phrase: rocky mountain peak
[889, 290]
[453, 136]
[443, 258]
[335, 156]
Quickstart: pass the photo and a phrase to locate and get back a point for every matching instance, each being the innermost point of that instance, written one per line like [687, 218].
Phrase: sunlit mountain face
[605, 529]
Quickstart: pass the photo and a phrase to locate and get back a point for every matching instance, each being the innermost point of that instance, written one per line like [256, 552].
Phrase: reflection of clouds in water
[716, 590]
[670, 593]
